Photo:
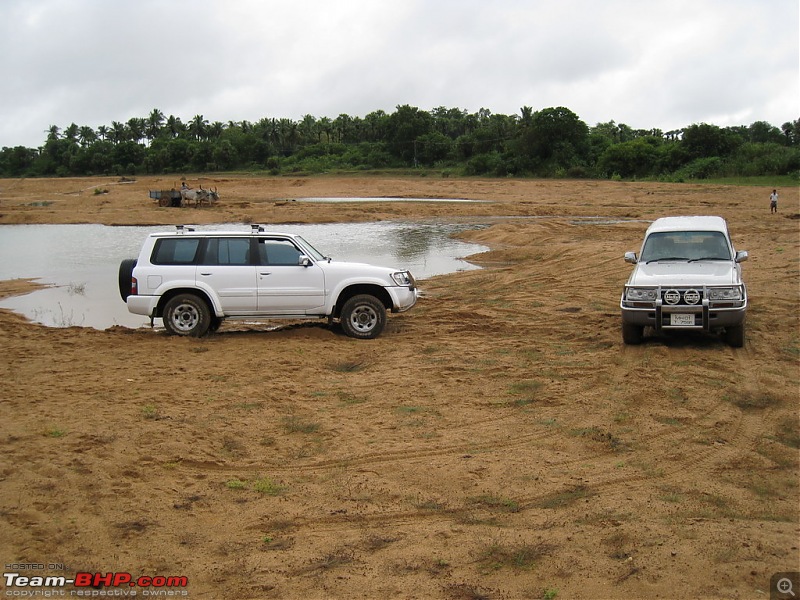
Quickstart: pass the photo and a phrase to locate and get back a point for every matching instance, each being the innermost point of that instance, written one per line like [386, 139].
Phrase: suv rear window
[175, 251]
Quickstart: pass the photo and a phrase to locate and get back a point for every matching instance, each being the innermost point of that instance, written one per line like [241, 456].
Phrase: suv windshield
[312, 252]
[686, 245]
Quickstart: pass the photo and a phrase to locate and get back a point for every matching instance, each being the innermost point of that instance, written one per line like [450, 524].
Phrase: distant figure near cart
[773, 202]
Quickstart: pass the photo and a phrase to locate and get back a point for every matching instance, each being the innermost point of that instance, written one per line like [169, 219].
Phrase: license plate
[680, 320]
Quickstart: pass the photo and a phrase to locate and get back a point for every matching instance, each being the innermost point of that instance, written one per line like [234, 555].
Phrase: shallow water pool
[81, 262]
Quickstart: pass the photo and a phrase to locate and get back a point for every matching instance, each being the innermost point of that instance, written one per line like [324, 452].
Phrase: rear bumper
[143, 305]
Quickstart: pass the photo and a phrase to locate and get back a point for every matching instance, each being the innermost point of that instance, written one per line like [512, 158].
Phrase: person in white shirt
[773, 202]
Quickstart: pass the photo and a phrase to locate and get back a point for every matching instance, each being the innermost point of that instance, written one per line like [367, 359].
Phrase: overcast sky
[647, 63]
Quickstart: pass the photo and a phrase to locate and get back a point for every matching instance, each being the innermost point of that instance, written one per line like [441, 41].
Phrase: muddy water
[80, 262]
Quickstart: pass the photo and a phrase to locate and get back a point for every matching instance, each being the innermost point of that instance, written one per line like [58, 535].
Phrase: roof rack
[183, 228]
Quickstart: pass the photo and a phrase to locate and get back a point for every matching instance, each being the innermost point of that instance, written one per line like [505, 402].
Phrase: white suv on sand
[687, 277]
[194, 280]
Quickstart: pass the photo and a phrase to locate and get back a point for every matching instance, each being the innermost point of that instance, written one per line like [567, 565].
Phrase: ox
[195, 196]
[212, 196]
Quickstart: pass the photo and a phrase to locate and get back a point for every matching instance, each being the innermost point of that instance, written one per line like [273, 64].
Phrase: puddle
[605, 221]
[81, 262]
[385, 199]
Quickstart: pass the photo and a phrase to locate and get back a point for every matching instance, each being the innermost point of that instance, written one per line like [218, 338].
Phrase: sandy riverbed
[498, 441]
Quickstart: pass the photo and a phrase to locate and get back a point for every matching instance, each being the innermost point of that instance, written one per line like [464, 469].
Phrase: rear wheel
[734, 336]
[632, 334]
[125, 275]
[363, 317]
[188, 315]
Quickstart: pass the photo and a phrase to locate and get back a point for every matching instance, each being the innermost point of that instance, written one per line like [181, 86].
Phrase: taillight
[134, 286]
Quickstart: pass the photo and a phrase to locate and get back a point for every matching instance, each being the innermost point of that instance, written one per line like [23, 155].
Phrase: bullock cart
[167, 197]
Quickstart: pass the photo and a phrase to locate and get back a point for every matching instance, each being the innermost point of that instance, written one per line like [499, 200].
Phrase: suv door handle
[270, 273]
[206, 274]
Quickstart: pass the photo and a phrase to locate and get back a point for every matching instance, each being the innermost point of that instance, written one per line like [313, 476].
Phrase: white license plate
[680, 320]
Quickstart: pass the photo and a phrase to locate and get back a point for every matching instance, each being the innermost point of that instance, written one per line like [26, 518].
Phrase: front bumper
[403, 298]
[706, 316]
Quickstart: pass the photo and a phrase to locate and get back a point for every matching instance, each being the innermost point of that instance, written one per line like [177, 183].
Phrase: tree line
[553, 142]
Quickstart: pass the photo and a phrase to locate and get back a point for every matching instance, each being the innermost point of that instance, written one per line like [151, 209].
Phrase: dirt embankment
[498, 441]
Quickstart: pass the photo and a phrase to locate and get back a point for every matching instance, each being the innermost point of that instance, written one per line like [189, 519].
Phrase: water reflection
[81, 261]
[334, 200]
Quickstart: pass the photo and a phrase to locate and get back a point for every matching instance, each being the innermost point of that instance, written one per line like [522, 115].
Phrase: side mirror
[741, 256]
[630, 257]
[304, 261]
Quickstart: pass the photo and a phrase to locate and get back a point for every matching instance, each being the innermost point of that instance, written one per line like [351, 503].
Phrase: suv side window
[278, 253]
[175, 251]
[227, 251]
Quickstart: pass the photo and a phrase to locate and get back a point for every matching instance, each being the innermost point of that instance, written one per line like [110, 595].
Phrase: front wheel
[735, 335]
[363, 317]
[188, 315]
[632, 334]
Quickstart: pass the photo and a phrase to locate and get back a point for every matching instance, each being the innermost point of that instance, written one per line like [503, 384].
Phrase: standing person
[773, 202]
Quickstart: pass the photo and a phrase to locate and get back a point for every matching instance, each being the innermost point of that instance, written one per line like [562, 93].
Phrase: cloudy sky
[647, 63]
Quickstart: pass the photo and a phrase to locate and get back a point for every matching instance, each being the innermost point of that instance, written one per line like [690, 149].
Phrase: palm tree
[136, 128]
[198, 127]
[87, 136]
[342, 125]
[52, 132]
[527, 115]
[287, 133]
[174, 126]
[154, 124]
[71, 132]
[376, 125]
[308, 129]
[102, 132]
[325, 126]
[119, 132]
[268, 130]
[214, 131]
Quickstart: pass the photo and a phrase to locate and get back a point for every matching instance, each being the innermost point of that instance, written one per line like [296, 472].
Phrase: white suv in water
[194, 280]
[687, 277]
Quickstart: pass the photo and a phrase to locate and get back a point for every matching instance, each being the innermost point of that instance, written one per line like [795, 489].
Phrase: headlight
[725, 293]
[633, 294]
[403, 278]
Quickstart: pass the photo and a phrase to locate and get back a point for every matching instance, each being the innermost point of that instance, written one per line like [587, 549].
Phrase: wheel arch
[348, 292]
[170, 294]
